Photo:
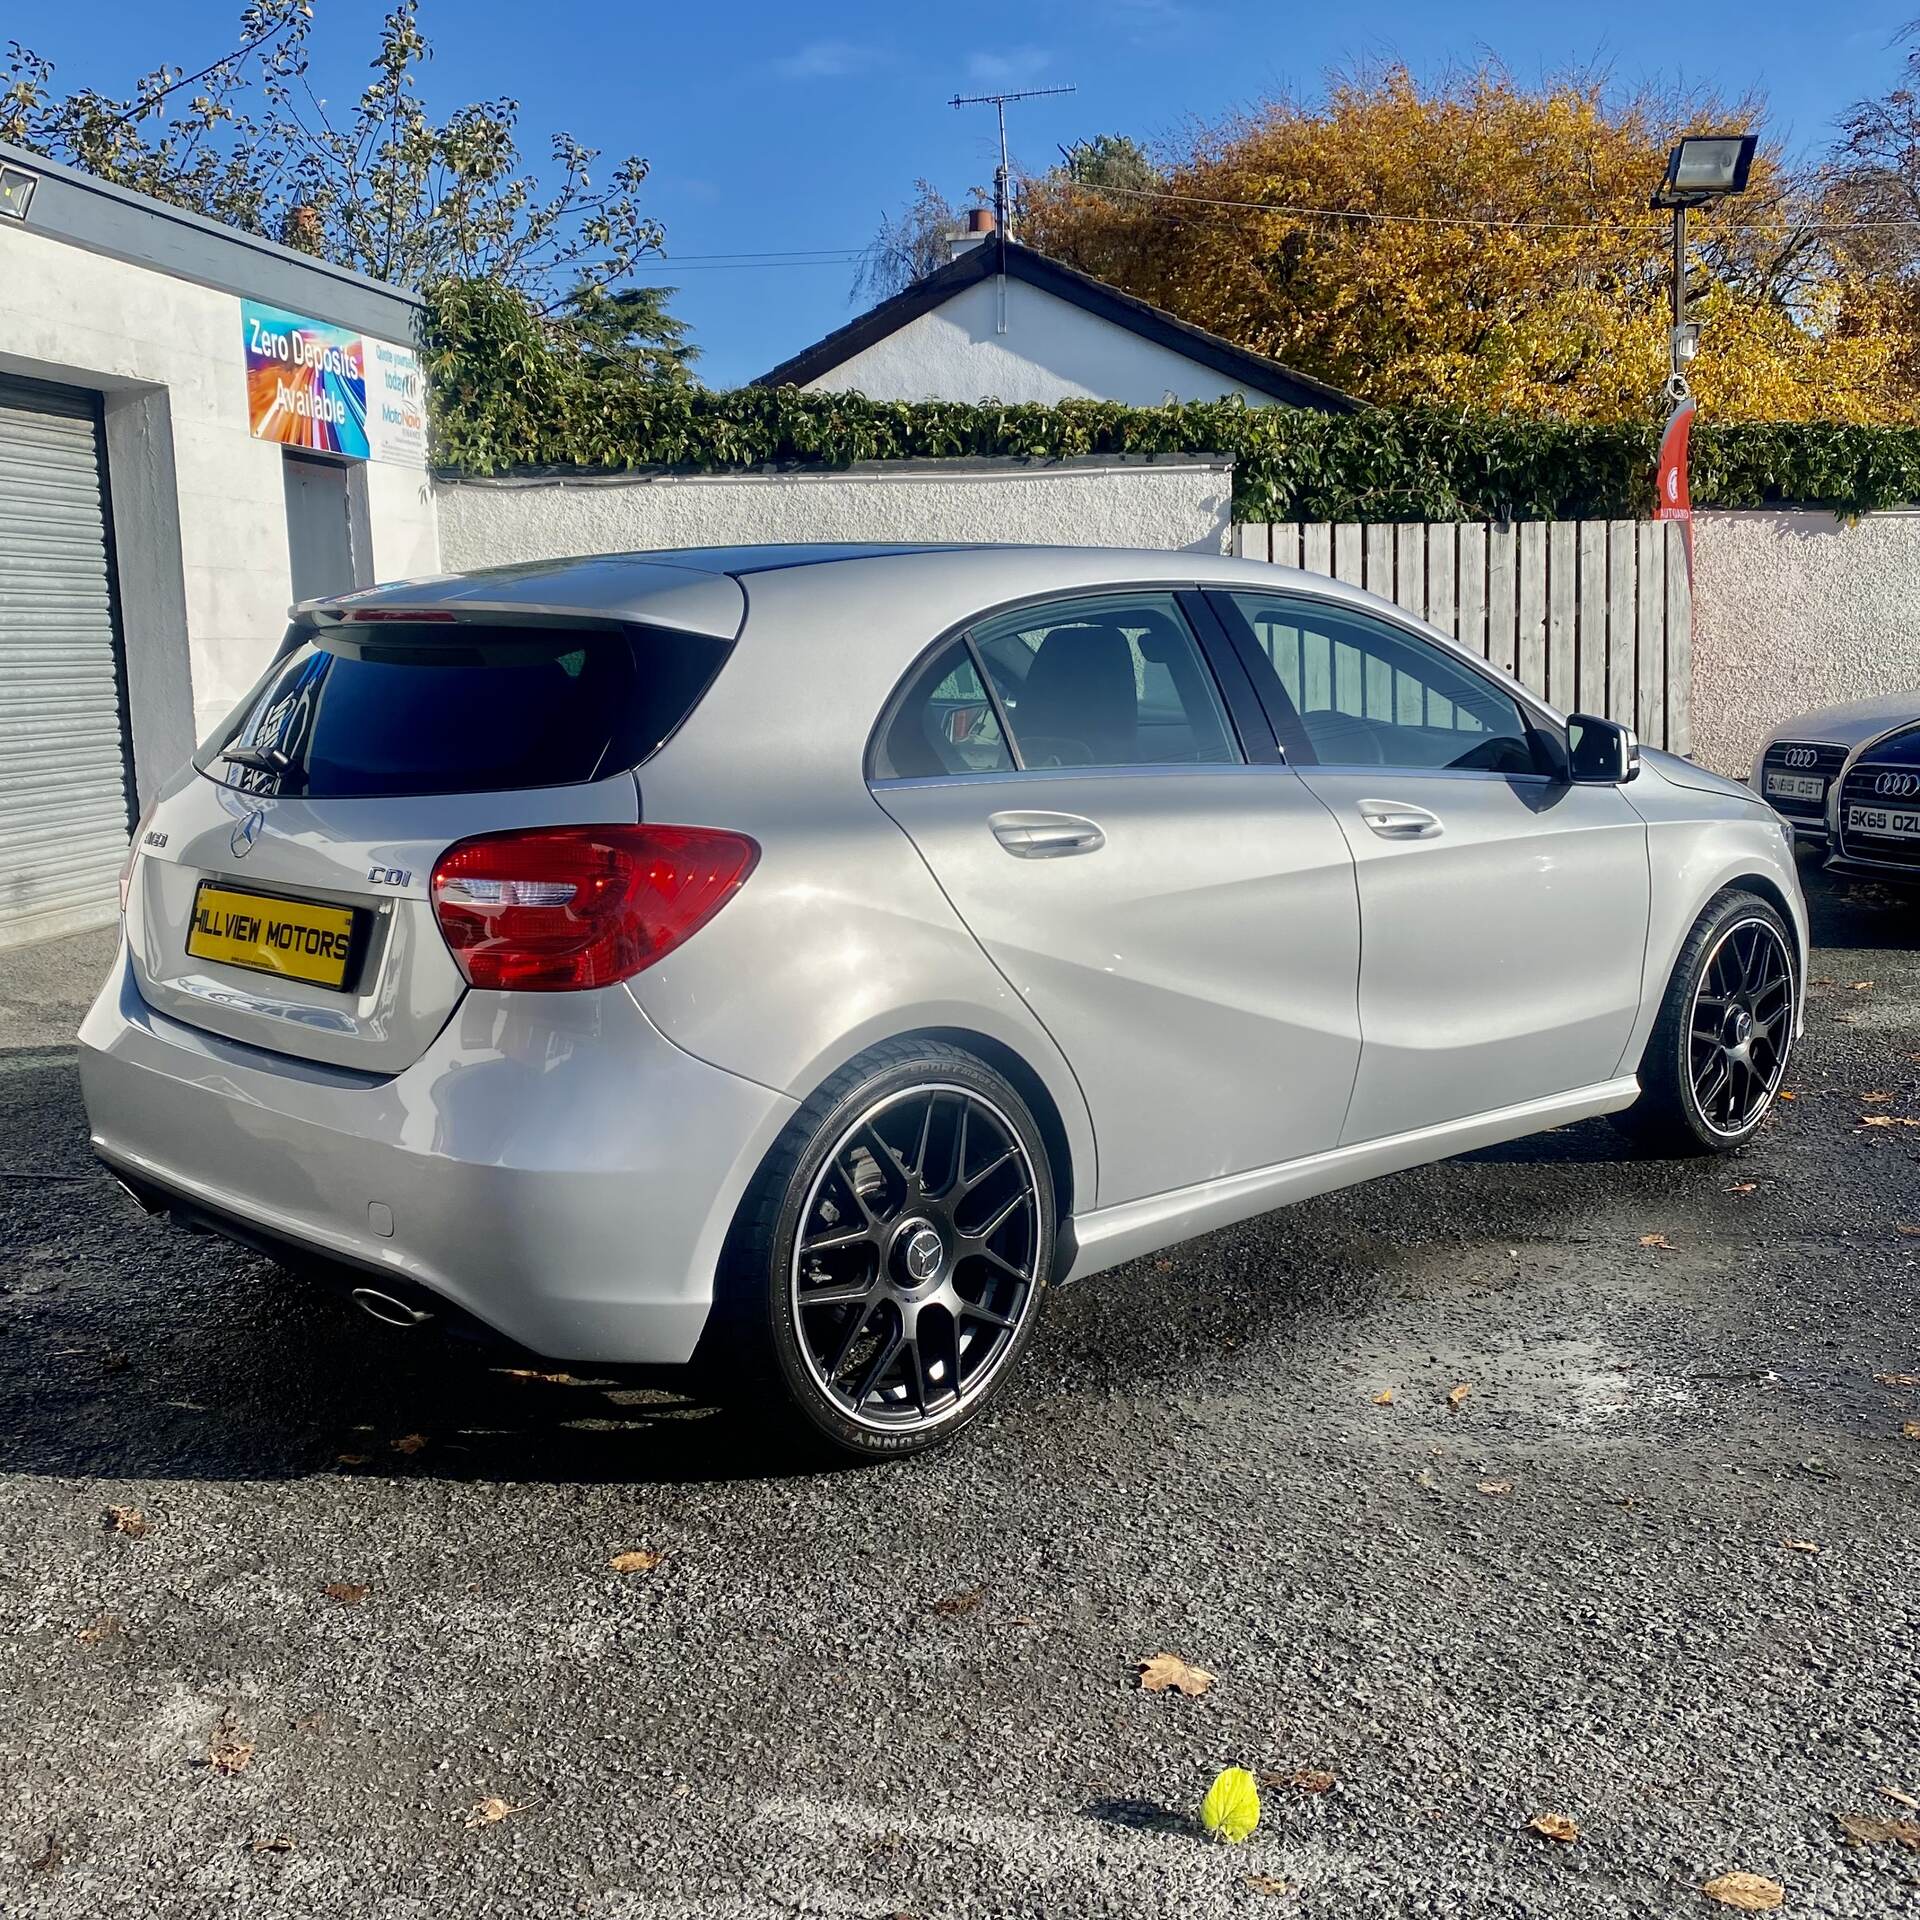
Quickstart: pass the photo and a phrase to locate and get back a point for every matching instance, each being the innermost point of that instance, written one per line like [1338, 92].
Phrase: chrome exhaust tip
[389, 1311]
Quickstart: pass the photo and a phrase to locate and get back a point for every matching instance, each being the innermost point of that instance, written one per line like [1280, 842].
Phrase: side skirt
[1114, 1235]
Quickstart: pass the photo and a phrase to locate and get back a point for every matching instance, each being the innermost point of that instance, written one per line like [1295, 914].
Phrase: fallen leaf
[1232, 1806]
[1878, 1098]
[1880, 1830]
[1302, 1780]
[1747, 1892]
[49, 1857]
[1457, 1398]
[273, 1843]
[1889, 1120]
[491, 1811]
[1745, 1186]
[1787, 1093]
[956, 1604]
[410, 1443]
[351, 1459]
[1496, 1487]
[1898, 1379]
[128, 1520]
[1801, 1546]
[345, 1592]
[639, 1561]
[1264, 1883]
[1863, 986]
[1168, 1673]
[546, 1379]
[1384, 1398]
[1658, 1241]
[226, 1752]
[1911, 1430]
[1019, 1620]
[1898, 1798]
[1555, 1826]
[1912, 1230]
[103, 1627]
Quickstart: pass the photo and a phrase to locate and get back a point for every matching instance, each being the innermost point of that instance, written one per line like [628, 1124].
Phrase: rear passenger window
[1112, 681]
[943, 724]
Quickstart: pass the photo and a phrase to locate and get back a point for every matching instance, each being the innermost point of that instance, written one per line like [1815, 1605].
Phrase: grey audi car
[790, 960]
[1847, 782]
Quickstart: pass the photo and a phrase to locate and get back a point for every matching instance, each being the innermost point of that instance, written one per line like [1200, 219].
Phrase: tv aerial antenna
[999, 102]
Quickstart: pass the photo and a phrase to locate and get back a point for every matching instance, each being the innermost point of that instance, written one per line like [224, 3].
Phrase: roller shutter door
[64, 773]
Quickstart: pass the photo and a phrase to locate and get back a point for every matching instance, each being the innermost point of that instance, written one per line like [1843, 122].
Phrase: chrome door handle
[1045, 836]
[1395, 820]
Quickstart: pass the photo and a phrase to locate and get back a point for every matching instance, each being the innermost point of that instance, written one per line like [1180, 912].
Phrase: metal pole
[1005, 207]
[1677, 364]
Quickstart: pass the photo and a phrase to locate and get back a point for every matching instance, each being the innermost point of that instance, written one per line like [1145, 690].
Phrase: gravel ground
[909, 1689]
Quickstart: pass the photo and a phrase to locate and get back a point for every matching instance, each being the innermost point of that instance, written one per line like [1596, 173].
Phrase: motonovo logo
[1896, 786]
[1799, 757]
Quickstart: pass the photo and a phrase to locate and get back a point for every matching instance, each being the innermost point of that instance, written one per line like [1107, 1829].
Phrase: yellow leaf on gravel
[1880, 1830]
[1898, 1798]
[1384, 1398]
[1745, 1186]
[1911, 1431]
[1863, 986]
[103, 1627]
[1800, 1546]
[1879, 1097]
[1265, 1883]
[1889, 1120]
[636, 1562]
[1747, 1892]
[1555, 1826]
[345, 1592]
[1457, 1398]
[1659, 1241]
[1898, 1379]
[128, 1520]
[1495, 1488]
[1787, 1093]
[1168, 1673]
[1232, 1806]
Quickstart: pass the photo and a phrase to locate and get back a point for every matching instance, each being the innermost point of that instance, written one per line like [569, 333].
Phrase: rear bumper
[552, 1166]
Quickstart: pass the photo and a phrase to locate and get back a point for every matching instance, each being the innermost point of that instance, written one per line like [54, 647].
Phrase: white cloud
[1010, 69]
[830, 60]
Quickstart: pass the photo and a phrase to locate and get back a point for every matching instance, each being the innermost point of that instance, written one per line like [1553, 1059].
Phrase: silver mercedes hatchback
[791, 959]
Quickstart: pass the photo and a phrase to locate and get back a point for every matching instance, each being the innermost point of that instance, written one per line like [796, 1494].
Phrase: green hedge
[505, 398]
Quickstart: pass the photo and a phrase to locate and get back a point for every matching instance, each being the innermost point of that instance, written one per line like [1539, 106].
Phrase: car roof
[704, 589]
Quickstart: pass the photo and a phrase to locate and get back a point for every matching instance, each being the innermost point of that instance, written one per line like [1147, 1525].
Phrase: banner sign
[1673, 501]
[319, 386]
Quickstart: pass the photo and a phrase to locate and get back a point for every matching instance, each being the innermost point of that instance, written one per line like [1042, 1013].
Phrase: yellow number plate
[297, 939]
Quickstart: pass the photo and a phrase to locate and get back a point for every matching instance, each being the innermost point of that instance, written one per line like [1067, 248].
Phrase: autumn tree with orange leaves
[1476, 243]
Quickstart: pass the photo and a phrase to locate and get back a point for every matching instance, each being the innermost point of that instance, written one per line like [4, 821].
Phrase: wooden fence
[1593, 615]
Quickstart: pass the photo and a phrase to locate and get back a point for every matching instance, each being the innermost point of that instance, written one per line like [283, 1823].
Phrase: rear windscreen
[418, 708]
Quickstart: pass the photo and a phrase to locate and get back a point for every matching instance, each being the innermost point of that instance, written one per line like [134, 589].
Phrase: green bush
[506, 397]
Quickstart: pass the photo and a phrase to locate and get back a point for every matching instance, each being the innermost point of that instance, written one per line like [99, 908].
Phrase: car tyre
[887, 1271]
[1721, 1042]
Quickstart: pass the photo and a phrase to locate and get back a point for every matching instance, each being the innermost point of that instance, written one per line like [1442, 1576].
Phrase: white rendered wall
[1051, 350]
[85, 320]
[1795, 610]
[489, 523]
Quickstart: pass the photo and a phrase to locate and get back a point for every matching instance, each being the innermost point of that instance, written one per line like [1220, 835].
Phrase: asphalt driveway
[354, 1644]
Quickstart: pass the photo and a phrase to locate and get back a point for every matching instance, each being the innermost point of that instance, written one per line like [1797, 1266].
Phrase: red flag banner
[1674, 502]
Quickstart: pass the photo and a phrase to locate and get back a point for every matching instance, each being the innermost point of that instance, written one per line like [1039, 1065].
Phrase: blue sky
[776, 127]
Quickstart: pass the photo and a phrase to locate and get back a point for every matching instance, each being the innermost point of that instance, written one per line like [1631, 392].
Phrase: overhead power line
[1520, 222]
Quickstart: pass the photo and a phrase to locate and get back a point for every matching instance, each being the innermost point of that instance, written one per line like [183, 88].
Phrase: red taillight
[552, 908]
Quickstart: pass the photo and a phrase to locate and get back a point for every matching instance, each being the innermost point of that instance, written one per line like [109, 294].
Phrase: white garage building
[197, 427]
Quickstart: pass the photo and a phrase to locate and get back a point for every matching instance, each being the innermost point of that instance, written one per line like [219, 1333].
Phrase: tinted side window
[1109, 681]
[1370, 695]
[943, 723]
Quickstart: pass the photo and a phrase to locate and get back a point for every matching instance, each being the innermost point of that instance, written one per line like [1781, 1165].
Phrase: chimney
[978, 228]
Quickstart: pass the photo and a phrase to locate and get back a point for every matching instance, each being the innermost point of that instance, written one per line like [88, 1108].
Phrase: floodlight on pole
[1702, 167]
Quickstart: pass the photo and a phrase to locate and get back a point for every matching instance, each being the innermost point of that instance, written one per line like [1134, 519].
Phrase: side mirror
[1600, 753]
